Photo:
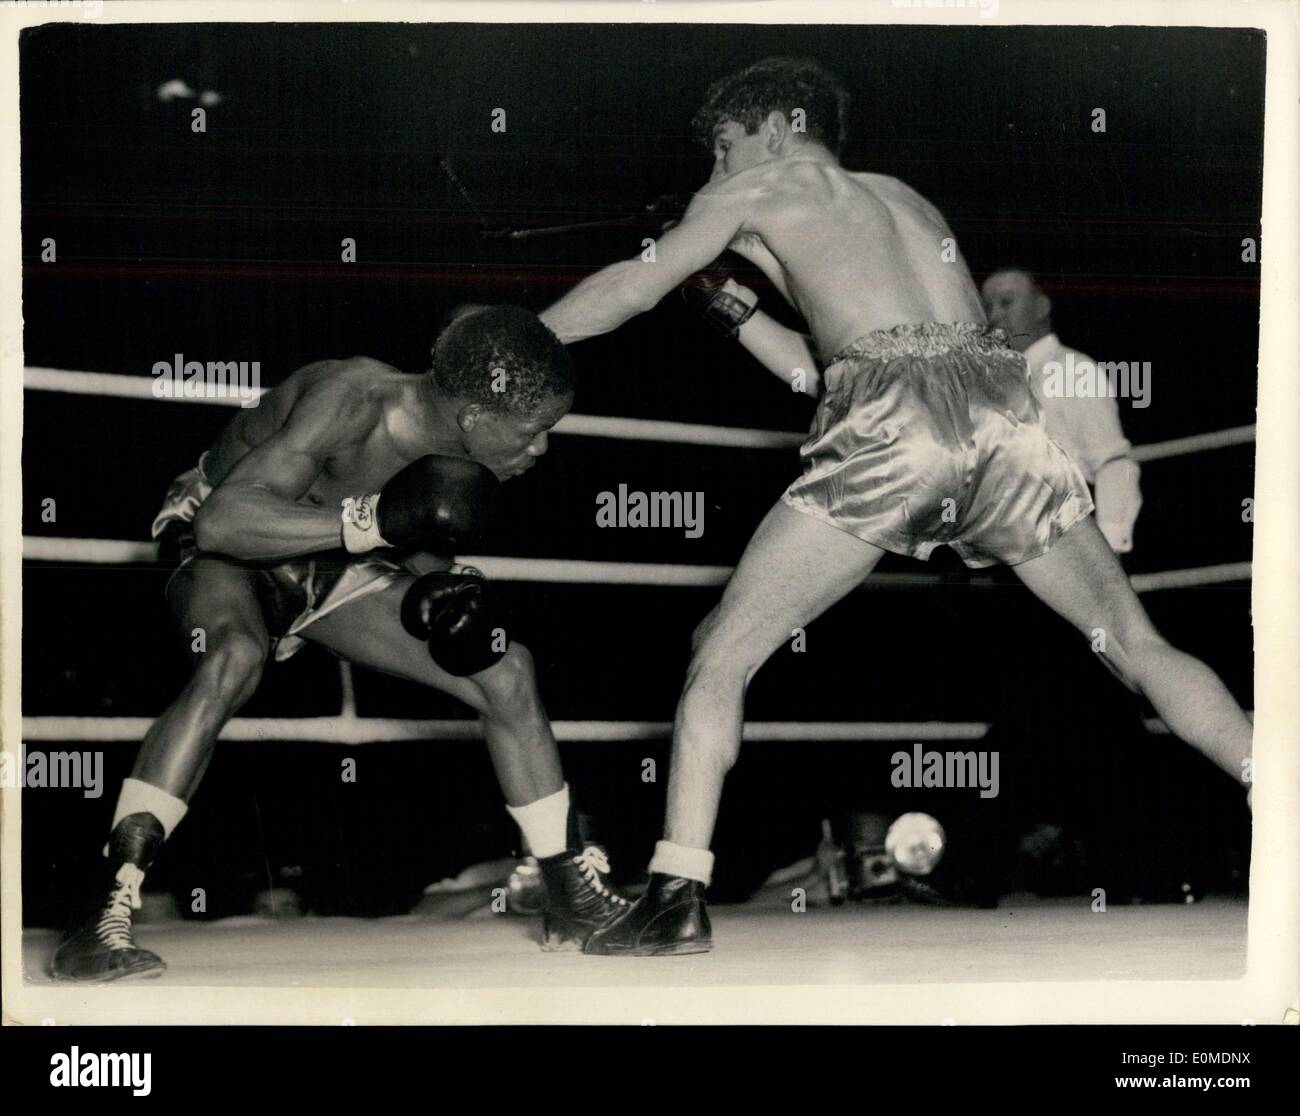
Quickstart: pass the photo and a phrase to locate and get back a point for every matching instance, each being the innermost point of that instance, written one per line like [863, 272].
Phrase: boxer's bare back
[345, 414]
[853, 252]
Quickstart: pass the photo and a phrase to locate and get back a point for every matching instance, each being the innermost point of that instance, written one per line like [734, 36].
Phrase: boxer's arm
[784, 352]
[751, 247]
[254, 513]
[605, 300]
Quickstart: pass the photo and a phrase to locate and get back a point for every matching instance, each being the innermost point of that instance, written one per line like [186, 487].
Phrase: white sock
[544, 823]
[139, 797]
[682, 860]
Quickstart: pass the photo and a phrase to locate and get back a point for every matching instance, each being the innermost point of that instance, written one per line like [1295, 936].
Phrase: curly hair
[777, 85]
[482, 342]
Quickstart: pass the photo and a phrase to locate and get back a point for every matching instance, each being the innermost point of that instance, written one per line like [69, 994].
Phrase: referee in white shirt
[1088, 429]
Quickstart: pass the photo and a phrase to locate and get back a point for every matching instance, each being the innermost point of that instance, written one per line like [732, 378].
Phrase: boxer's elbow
[214, 524]
[635, 288]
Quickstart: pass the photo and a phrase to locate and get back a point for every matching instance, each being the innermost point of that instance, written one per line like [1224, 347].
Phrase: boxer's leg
[794, 568]
[218, 599]
[1083, 581]
[369, 632]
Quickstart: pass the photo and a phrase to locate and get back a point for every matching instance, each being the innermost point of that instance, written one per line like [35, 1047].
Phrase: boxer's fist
[435, 502]
[457, 616]
[715, 296]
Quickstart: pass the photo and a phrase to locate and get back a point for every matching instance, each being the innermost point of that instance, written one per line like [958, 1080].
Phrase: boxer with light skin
[921, 403]
[327, 514]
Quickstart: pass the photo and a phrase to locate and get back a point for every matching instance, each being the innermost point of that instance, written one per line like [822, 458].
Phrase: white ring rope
[41, 548]
[592, 426]
[1195, 443]
[348, 728]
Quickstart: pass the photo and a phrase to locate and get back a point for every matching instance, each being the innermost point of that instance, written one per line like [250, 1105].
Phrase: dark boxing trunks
[293, 593]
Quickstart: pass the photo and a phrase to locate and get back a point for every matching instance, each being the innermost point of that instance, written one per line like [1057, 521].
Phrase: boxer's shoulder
[748, 184]
[364, 369]
[767, 192]
[338, 398]
[354, 379]
[333, 375]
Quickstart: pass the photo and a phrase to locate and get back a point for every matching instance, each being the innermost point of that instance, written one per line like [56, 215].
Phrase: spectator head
[1014, 302]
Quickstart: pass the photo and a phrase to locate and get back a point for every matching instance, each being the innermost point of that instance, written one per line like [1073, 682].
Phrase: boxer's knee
[1130, 652]
[710, 671]
[718, 659]
[703, 630]
[510, 685]
[227, 673]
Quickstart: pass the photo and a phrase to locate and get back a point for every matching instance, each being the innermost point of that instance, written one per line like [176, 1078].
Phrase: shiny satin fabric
[929, 435]
[293, 593]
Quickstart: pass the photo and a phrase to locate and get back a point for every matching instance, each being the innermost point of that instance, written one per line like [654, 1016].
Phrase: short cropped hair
[1016, 269]
[777, 85]
[482, 342]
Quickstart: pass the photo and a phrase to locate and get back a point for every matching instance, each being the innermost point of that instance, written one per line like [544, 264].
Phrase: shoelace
[114, 926]
[594, 864]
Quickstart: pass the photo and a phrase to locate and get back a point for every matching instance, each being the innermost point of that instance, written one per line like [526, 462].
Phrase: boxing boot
[99, 946]
[670, 918]
[578, 902]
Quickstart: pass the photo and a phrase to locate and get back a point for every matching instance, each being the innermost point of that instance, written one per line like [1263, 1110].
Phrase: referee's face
[1015, 305]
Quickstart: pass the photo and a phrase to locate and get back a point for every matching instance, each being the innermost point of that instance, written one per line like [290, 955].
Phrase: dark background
[226, 246]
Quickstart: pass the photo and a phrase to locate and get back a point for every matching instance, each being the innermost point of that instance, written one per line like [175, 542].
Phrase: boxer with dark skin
[922, 408]
[270, 516]
[280, 473]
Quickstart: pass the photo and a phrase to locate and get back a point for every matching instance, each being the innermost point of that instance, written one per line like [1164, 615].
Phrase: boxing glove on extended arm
[434, 502]
[705, 295]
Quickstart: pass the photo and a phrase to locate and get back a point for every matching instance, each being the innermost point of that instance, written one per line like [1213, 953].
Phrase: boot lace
[593, 864]
[114, 926]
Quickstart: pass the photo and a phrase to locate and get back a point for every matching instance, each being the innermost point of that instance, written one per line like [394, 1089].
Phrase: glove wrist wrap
[361, 524]
[728, 312]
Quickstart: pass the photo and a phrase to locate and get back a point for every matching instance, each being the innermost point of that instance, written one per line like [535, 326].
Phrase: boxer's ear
[1043, 307]
[468, 416]
[778, 129]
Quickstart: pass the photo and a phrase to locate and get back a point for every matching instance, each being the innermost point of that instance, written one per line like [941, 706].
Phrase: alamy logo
[217, 379]
[112, 1070]
[630, 508]
[29, 770]
[1107, 379]
[919, 768]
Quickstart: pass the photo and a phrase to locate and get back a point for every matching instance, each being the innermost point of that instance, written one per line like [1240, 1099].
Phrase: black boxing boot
[578, 902]
[99, 946]
[669, 918]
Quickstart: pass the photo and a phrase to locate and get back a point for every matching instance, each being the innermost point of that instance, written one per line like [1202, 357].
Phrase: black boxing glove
[435, 502]
[455, 614]
[703, 293]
